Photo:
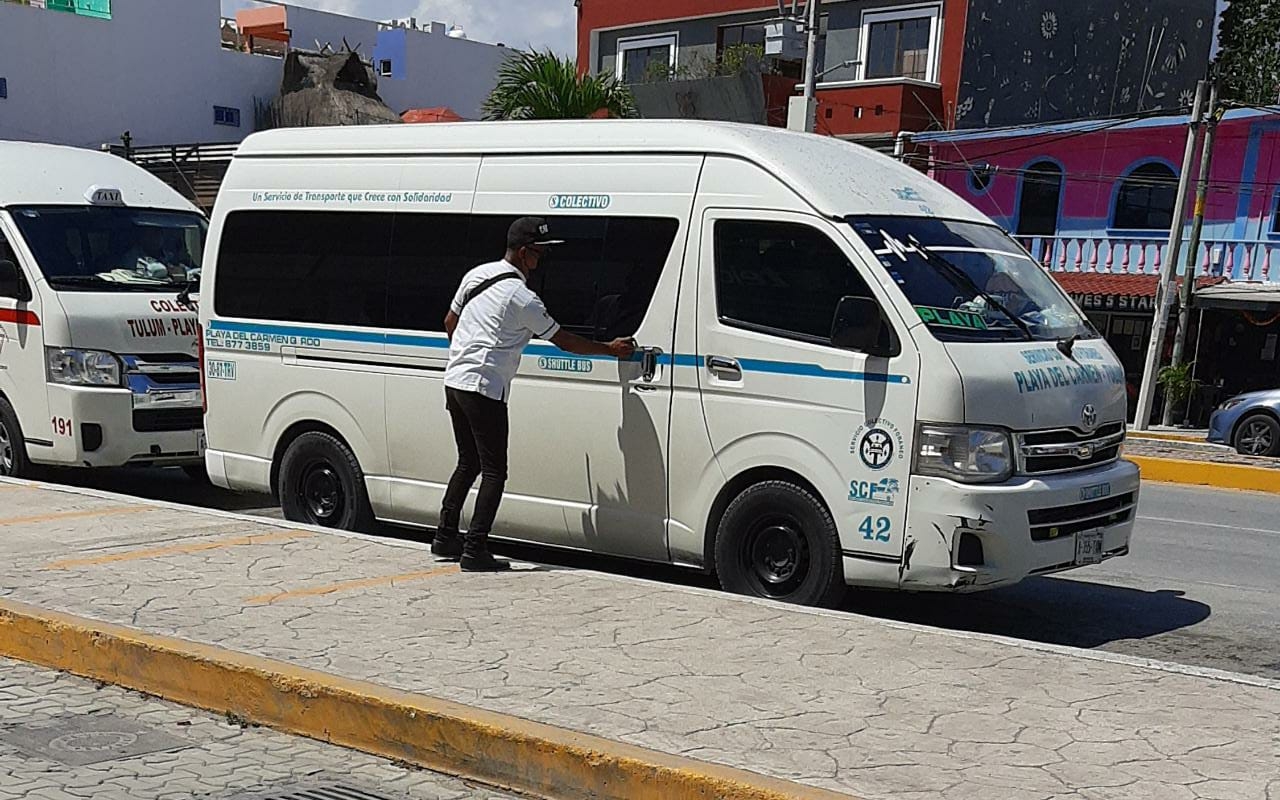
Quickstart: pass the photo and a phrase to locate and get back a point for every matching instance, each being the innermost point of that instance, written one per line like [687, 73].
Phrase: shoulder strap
[483, 286]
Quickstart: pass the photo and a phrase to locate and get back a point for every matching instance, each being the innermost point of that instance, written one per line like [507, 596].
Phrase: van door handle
[649, 363]
[726, 368]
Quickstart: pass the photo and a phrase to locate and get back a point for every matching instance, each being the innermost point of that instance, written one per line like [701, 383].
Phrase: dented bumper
[968, 538]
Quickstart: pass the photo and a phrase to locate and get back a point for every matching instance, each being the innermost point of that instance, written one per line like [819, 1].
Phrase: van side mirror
[860, 325]
[11, 283]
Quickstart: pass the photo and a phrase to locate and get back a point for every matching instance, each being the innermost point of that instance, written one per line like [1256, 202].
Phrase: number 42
[875, 528]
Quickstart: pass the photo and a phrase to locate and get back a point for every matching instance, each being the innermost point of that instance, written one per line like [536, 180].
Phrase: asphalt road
[1199, 588]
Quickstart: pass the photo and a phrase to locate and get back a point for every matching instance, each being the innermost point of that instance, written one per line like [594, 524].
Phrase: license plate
[202, 443]
[1088, 547]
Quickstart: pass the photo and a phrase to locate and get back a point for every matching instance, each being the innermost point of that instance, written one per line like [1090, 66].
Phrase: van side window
[429, 256]
[305, 266]
[600, 282]
[781, 278]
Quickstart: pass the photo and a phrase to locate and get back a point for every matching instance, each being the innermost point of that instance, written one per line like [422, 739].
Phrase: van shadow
[1050, 610]
[630, 516]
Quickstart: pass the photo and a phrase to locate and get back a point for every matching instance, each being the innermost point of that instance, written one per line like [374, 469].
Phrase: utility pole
[802, 111]
[1164, 297]
[1193, 245]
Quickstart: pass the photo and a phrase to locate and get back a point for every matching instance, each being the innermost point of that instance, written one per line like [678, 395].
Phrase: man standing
[493, 316]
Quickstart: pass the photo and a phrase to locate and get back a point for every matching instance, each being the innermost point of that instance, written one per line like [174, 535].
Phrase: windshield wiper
[962, 280]
[96, 281]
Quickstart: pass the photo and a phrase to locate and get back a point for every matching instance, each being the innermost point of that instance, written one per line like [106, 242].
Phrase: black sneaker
[483, 562]
[446, 545]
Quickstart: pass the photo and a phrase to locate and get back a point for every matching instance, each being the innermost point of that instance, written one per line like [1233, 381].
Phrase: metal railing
[1234, 259]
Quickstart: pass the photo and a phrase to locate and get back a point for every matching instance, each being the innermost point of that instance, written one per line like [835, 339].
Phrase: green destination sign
[951, 318]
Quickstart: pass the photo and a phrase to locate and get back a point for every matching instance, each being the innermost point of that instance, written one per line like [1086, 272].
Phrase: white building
[158, 69]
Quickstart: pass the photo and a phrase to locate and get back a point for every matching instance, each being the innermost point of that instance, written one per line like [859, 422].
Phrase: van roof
[46, 174]
[836, 177]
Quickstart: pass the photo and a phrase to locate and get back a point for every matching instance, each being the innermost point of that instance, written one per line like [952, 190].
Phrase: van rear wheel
[777, 540]
[13, 448]
[321, 483]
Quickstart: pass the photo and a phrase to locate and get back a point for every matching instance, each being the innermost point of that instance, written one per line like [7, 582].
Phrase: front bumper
[101, 431]
[968, 538]
[1220, 424]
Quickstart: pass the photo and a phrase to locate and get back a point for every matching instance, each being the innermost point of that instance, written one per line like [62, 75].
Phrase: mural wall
[1029, 61]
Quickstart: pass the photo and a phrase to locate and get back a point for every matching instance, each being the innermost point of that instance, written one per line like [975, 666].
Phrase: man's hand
[622, 348]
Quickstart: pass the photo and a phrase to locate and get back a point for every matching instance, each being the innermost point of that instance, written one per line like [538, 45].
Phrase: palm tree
[533, 85]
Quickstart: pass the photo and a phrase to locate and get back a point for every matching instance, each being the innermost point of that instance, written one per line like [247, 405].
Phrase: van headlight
[81, 367]
[962, 453]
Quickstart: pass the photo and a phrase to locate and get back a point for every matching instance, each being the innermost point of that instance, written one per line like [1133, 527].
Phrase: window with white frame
[640, 58]
[901, 43]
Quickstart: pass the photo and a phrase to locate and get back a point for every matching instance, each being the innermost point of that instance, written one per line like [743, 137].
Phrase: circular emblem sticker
[876, 448]
[878, 444]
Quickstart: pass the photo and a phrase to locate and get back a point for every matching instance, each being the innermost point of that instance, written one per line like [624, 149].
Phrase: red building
[891, 66]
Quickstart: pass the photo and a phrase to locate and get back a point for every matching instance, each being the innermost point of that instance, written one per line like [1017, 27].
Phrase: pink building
[1094, 200]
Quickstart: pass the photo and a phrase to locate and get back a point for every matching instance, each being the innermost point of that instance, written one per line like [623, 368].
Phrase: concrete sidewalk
[1198, 463]
[699, 683]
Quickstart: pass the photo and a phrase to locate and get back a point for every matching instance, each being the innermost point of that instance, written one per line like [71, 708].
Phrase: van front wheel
[13, 448]
[321, 483]
[777, 540]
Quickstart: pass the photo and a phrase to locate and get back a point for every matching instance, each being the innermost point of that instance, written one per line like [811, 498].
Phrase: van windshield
[970, 282]
[89, 248]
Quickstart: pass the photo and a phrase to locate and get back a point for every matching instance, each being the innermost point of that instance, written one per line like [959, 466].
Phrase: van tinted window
[429, 255]
[601, 281]
[401, 270]
[305, 266]
[781, 278]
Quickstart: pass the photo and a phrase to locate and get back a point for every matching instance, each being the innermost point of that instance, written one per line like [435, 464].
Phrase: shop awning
[1253, 296]
[1122, 292]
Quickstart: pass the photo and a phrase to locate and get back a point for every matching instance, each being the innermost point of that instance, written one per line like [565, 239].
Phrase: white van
[848, 375]
[99, 361]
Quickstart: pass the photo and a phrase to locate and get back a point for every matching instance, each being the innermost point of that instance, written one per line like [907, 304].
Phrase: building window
[4, 88]
[980, 177]
[1040, 199]
[748, 33]
[641, 59]
[901, 44]
[225, 115]
[1275, 216]
[1146, 198]
[384, 68]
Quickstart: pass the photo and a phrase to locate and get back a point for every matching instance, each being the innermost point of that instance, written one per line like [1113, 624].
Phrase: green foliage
[533, 85]
[1248, 62]
[1178, 383]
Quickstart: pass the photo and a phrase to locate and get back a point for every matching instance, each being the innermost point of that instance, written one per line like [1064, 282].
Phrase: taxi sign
[104, 196]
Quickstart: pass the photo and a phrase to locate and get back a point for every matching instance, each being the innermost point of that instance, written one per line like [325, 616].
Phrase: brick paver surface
[217, 758]
[875, 709]
[1196, 451]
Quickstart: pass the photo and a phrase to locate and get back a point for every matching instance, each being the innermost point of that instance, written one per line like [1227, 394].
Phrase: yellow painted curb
[1166, 437]
[1208, 473]
[448, 737]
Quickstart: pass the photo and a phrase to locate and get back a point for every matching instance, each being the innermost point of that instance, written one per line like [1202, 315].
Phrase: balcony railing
[1234, 259]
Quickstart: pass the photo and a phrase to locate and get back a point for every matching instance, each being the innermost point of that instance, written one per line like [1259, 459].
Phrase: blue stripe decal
[816, 371]
[535, 350]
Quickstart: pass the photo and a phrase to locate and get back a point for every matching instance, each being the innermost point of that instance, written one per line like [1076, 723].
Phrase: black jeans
[480, 430]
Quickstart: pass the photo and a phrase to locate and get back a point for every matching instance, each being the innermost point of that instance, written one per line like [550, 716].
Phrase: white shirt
[493, 330]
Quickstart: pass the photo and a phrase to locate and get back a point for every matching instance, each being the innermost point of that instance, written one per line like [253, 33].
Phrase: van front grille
[1067, 450]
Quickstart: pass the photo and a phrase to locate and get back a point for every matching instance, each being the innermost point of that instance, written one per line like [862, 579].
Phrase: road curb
[1208, 473]
[441, 735]
[1166, 437]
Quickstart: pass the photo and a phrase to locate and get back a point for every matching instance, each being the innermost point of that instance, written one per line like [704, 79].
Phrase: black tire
[777, 540]
[1257, 435]
[13, 448]
[197, 473]
[321, 483]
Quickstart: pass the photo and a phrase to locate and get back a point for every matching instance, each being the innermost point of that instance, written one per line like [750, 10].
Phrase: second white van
[847, 375]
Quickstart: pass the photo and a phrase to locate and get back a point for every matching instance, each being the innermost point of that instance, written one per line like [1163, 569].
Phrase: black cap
[528, 231]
